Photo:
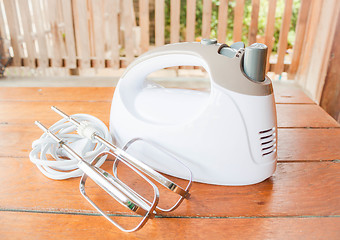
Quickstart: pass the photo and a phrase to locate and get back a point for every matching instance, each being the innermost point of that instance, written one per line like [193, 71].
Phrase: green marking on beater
[131, 205]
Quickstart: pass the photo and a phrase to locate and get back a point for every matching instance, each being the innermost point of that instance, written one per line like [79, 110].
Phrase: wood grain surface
[300, 201]
[284, 93]
[305, 116]
[26, 113]
[35, 225]
[293, 144]
[296, 189]
[308, 144]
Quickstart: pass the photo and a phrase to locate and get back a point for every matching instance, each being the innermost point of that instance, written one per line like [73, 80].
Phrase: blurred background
[91, 42]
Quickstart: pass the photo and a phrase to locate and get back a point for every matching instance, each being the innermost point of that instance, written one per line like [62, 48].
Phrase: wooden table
[301, 200]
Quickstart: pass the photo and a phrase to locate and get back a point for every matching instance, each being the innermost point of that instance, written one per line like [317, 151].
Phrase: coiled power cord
[54, 162]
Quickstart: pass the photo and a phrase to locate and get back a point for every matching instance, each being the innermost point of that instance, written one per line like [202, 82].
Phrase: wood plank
[299, 189]
[70, 61]
[190, 21]
[69, 94]
[293, 144]
[270, 27]
[190, 25]
[28, 33]
[303, 115]
[91, 26]
[301, 26]
[98, 33]
[3, 33]
[317, 68]
[42, 111]
[52, 10]
[222, 21]
[159, 22]
[330, 94]
[175, 6]
[289, 115]
[80, 17]
[284, 93]
[283, 39]
[206, 18]
[14, 146]
[255, 8]
[13, 26]
[89, 227]
[308, 144]
[112, 9]
[144, 25]
[175, 9]
[128, 32]
[289, 92]
[312, 23]
[238, 20]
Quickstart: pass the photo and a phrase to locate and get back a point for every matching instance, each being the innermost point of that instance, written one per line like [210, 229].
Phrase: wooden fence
[104, 33]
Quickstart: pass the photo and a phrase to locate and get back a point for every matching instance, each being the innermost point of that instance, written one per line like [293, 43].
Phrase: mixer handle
[182, 54]
[224, 71]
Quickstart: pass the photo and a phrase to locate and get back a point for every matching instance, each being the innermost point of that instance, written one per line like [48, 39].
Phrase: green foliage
[246, 20]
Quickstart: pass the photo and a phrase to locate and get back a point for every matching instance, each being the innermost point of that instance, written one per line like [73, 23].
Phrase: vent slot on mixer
[268, 141]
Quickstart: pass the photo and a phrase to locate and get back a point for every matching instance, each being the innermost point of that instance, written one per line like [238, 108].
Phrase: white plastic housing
[224, 137]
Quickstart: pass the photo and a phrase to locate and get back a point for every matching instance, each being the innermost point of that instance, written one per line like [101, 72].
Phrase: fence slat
[70, 61]
[128, 32]
[190, 24]
[299, 37]
[319, 39]
[283, 39]
[52, 10]
[238, 20]
[222, 21]
[312, 24]
[175, 6]
[27, 28]
[270, 27]
[255, 8]
[2, 24]
[190, 21]
[321, 50]
[13, 25]
[206, 18]
[112, 10]
[159, 22]
[82, 32]
[144, 25]
[40, 33]
[6, 45]
[98, 33]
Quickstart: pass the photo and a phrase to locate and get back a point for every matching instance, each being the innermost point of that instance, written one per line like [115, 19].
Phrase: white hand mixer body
[225, 137]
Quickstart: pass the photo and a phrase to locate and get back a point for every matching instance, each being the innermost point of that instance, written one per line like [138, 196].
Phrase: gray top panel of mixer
[224, 71]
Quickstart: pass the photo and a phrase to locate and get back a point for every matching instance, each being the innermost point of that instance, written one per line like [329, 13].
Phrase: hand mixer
[225, 137]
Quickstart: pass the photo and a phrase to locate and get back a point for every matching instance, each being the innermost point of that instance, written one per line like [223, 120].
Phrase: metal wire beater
[112, 184]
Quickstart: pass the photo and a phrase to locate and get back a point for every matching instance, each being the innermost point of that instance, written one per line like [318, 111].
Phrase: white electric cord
[61, 166]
